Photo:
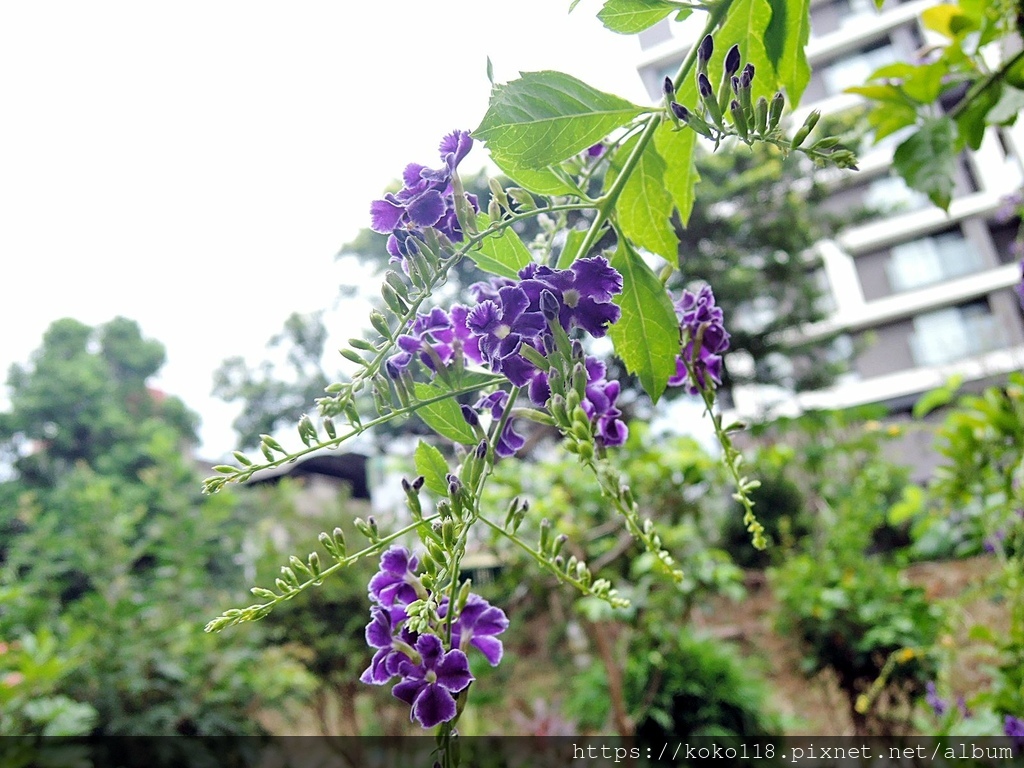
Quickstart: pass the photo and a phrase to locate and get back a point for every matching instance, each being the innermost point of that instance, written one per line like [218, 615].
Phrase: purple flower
[599, 405]
[382, 633]
[701, 321]
[396, 584]
[584, 292]
[428, 686]
[435, 337]
[503, 326]
[477, 625]
[938, 705]
[425, 200]
[1014, 728]
[510, 441]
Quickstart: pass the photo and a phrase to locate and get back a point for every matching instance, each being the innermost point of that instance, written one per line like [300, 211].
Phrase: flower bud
[704, 86]
[732, 61]
[707, 47]
[775, 110]
[668, 88]
[470, 415]
[549, 305]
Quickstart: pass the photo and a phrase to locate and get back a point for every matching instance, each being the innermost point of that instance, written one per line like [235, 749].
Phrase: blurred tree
[110, 546]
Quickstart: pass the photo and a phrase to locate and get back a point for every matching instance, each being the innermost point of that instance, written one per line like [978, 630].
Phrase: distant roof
[350, 467]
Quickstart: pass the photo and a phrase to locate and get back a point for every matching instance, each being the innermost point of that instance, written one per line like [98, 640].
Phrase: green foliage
[33, 669]
[977, 69]
[546, 117]
[975, 502]
[503, 255]
[114, 550]
[682, 687]
[647, 335]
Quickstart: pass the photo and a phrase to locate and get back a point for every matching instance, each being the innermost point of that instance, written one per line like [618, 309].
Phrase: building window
[931, 260]
[952, 334]
[890, 194]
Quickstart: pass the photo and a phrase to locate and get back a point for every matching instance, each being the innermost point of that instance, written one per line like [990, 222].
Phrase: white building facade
[918, 293]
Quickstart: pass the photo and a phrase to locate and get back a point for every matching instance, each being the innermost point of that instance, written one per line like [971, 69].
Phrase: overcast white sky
[195, 165]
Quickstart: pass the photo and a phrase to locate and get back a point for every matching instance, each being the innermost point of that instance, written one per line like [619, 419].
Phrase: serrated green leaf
[678, 150]
[546, 117]
[644, 207]
[785, 41]
[629, 17]
[646, 337]
[927, 160]
[445, 416]
[503, 254]
[431, 464]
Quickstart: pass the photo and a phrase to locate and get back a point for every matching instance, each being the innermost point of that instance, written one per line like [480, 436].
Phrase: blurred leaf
[786, 42]
[948, 20]
[938, 397]
[927, 160]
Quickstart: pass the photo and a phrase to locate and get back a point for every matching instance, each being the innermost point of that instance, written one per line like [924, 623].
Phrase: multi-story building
[919, 294]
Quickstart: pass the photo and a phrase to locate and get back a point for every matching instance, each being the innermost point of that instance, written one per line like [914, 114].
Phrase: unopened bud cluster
[730, 110]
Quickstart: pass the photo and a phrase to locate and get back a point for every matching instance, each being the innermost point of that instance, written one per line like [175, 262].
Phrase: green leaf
[924, 83]
[876, 92]
[972, 121]
[500, 254]
[746, 25]
[948, 20]
[545, 117]
[644, 208]
[628, 17]
[910, 505]
[431, 464]
[1010, 104]
[785, 41]
[889, 118]
[937, 397]
[927, 160]
[646, 337]
[570, 251]
[543, 181]
[445, 416]
[677, 149]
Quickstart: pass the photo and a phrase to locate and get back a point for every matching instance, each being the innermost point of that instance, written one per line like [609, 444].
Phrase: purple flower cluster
[427, 199]
[702, 322]
[512, 317]
[430, 675]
